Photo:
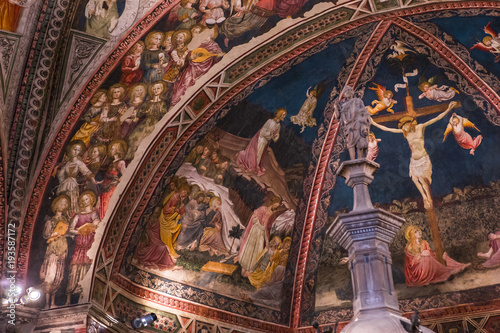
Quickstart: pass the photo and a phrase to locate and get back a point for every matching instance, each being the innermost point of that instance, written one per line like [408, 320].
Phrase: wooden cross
[410, 111]
[415, 113]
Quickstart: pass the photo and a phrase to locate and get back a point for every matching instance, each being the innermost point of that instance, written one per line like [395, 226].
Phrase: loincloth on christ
[421, 168]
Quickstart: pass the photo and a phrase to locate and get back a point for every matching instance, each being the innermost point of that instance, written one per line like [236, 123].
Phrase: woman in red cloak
[421, 265]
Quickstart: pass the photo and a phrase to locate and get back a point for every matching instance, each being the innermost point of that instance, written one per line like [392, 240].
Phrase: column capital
[358, 175]
[351, 170]
[361, 226]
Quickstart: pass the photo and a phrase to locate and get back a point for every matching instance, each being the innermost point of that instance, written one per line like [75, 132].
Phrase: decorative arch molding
[28, 113]
[165, 150]
[25, 36]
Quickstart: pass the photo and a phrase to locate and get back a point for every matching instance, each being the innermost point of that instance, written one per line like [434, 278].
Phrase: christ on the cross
[420, 163]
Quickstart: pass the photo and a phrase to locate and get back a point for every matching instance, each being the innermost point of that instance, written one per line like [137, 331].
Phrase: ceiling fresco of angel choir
[96, 157]
[189, 41]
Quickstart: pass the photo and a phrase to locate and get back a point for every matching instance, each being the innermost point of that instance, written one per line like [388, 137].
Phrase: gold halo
[276, 200]
[120, 142]
[150, 88]
[150, 35]
[182, 31]
[411, 230]
[185, 188]
[422, 84]
[215, 199]
[97, 95]
[76, 143]
[202, 27]
[132, 49]
[200, 193]
[57, 199]
[134, 87]
[101, 147]
[119, 86]
[92, 194]
[404, 120]
[276, 239]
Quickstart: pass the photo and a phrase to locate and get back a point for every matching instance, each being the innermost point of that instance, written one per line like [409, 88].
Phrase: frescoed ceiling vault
[181, 157]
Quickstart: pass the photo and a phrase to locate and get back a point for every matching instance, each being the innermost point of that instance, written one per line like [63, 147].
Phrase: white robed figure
[305, 116]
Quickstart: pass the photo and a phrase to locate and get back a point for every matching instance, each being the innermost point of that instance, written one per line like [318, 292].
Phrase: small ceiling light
[144, 321]
[33, 294]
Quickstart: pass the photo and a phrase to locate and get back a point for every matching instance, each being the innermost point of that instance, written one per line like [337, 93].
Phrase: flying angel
[305, 116]
[431, 91]
[489, 43]
[384, 101]
[457, 125]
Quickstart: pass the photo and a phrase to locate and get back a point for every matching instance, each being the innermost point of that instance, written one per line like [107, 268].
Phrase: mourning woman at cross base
[421, 264]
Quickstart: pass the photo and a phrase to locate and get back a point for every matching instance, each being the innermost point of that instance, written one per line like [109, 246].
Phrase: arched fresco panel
[211, 263]
[456, 187]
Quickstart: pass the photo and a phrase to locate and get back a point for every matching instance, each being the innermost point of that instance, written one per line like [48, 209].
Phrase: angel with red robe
[489, 43]
[384, 101]
[457, 124]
